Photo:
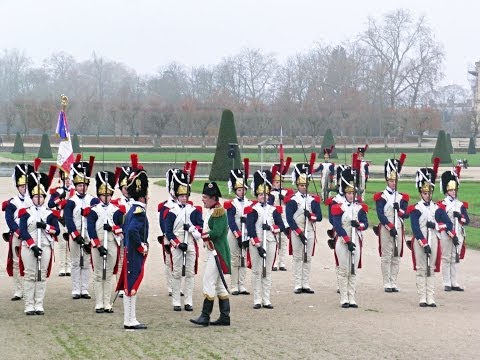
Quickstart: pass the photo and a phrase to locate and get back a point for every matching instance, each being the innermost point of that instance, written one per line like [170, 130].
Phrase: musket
[105, 239]
[355, 168]
[395, 211]
[428, 255]
[457, 255]
[264, 240]
[189, 169]
[246, 170]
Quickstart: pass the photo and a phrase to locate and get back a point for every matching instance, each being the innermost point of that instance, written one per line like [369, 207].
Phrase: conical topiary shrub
[222, 163]
[18, 147]
[45, 151]
[449, 143]
[76, 144]
[441, 149]
[328, 140]
[471, 146]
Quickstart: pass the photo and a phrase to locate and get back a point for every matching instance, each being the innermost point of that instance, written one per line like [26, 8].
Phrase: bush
[222, 163]
[449, 143]
[471, 146]
[45, 151]
[18, 147]
[76, 144]
[441, 149]
[329, 140]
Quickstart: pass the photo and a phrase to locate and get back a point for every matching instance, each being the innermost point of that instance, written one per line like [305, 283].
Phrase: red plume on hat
[78, 158]
[36, 164]
[436, 164]
[458, 168]
[246, 167]
[312, 162]
[286, 166]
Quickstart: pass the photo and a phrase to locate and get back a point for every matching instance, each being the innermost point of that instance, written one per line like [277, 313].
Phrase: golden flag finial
[64, 101]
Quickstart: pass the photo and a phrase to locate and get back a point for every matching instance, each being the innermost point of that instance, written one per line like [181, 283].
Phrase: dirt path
[387, 326]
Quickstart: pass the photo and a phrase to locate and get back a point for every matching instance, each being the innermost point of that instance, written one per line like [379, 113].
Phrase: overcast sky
[146, 34]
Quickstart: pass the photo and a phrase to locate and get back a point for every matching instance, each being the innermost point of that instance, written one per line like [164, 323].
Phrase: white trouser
[177, 256]
[449, 266]
[35, 290]
[262, 285]
[63, 256]
[130, 311]
[425, 284]
[237, 278]
[212, 283]
[345, 279]
[390, 264]
[103, 288]
[17, 278]
[80, 276]
[301, 269]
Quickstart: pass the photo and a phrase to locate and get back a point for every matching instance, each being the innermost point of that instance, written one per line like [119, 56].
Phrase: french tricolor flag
[65, 156]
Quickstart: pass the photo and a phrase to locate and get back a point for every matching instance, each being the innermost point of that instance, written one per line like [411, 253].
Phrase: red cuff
[256, 241]
[50, 229]
[175, 242]
[346, 239]
[423, 242]
[117, 230]
[75, 234]
[237, 234]
[17, 233]
[275, 229]
[96, 242]
[30, 242]
[298, 231]
[362, 226]
[390, 226]
[140, 249]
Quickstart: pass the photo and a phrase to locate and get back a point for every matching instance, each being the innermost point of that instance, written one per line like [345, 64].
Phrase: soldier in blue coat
[136, 246]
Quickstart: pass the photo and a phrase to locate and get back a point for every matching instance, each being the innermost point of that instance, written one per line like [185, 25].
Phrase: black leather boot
[224, 319]
[204, 318]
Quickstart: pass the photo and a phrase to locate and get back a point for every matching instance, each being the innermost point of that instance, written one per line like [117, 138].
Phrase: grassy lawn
[413, 159]
[468, 192]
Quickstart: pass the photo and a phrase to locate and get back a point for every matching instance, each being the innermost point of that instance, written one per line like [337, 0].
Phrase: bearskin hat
[80, 172]
[449, 181]
[341, 168]
[262, 182]
[20, 173]
[236, 180]
[38, 184]
[105, 183]
[425, 180]
[178, 183]
[347, 181]
[301, 174]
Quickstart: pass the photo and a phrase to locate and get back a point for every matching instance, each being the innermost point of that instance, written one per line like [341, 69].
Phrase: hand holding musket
[104, 256]
[242, 250]
[39, 257]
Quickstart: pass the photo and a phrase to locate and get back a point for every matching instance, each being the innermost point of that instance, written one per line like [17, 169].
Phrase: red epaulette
[329, 201]
[199, 208]
[86, 211]
[52, 191]
[317, 198]
[406, 197]
[377, 196]
[56, 213]
[441, 205]
[190, 202]
[365, 207]
[160, 206]
[227, 204]
[122, 209]
[279, 209]
[5, 204]
[115, 202]
[288, 197]
[465, 205]
[254, 202]
[22, 212]
[289, 192]
[336, 209]
[248, 210]
[410, 209]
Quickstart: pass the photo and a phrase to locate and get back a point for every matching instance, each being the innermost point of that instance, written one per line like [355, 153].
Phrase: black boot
[204, 318]
[224, 318]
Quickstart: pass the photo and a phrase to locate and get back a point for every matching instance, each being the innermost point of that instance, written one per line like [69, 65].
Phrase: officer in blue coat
[136, 246]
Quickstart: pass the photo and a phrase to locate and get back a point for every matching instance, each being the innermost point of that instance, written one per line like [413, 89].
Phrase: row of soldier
[257, 231]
